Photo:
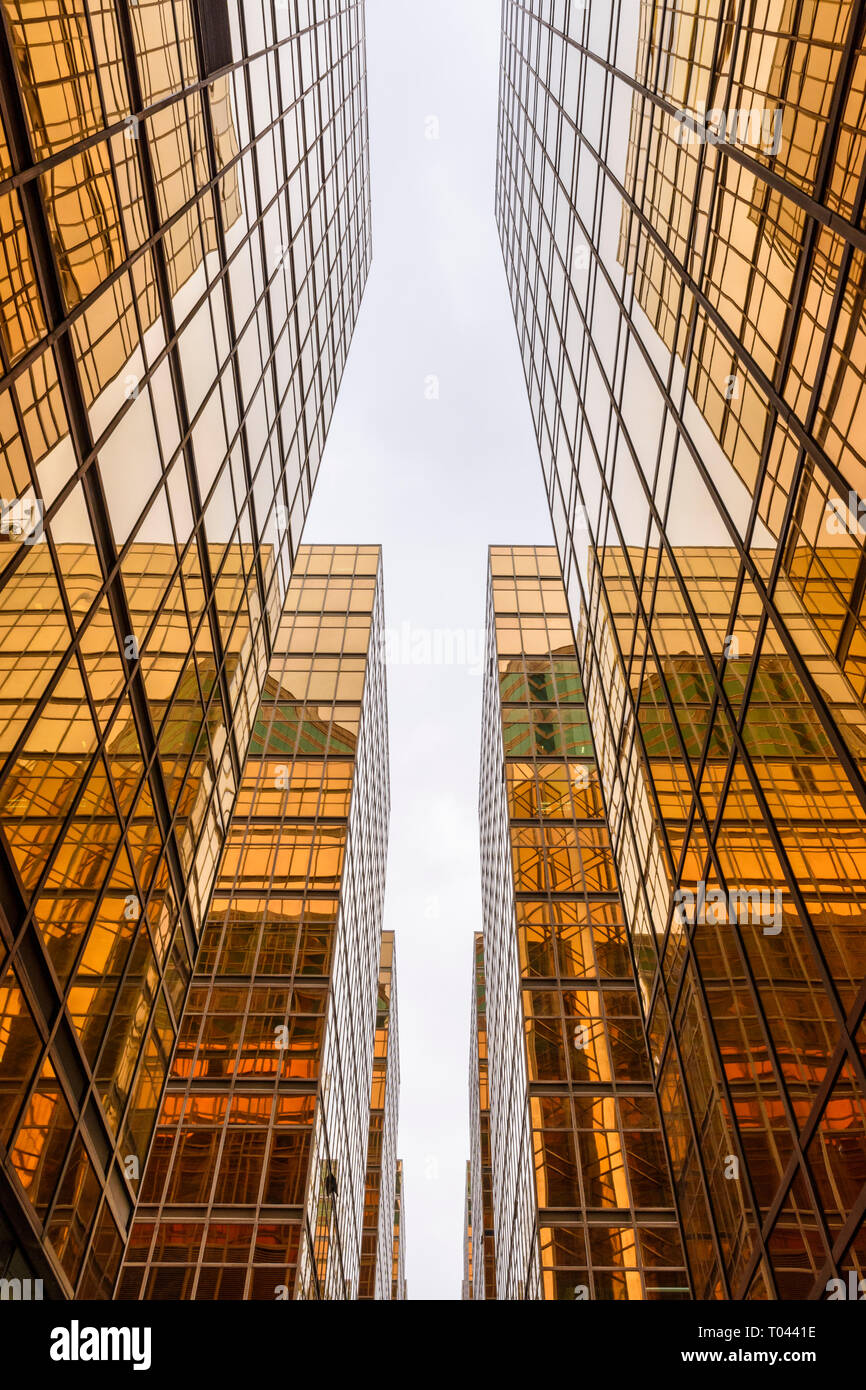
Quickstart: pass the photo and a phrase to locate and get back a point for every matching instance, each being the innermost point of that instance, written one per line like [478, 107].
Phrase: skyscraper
[184, 202]
[680, 201]
[398, 1284]
[582, 1199]
[255, 1184]
[380, 1203]
[480, 1248]
[467, 1288]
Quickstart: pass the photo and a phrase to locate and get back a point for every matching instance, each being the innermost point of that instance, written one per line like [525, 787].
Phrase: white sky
[436, 482]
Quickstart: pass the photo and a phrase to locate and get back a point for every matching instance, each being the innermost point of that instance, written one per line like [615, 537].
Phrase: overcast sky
[435, 481]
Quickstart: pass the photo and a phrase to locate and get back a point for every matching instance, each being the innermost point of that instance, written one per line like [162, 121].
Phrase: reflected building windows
[166, 386]
[273, 1168]
[570, 1185]
[679, 200]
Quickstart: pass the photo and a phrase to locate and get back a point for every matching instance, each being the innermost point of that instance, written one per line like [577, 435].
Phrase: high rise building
[680, 201]
[398, 1283]
[480, 1237]
[184, 205]
[255, 1184]
[467, 1288]
[380, 1204]
[582, 1199]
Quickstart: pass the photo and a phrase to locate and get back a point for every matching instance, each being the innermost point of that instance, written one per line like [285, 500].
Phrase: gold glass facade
[398, 1280]
[468, 1284]
[377, 1251]
[480, 1230]
[681, 202]
[780, 292]
[763, 1058]
[184, 207]
[255, 1183]
[583, 1204]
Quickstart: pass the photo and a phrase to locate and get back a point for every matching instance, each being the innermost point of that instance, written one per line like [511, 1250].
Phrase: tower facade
[582, 1197]
[398, 1282]
[255, 1183]
[467, 1285]
[380, 1204]
[184, 201]
[680, 200]
[480, 1234]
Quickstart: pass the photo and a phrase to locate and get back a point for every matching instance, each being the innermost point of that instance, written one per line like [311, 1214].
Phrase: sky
[432, 454]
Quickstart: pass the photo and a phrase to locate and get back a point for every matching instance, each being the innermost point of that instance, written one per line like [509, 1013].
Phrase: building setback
[680, 200]
[184, 197]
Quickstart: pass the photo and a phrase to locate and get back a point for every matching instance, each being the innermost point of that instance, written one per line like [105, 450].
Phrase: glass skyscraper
[467, 1287]
[398, 1280]
[255, 1184]
[680, 200]
[184, 207]
[574, 1179]
[479, 1238]
[380, 1203]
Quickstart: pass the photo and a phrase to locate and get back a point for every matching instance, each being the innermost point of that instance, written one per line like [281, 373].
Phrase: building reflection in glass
[480, 1237]
[255, 1184]
[380, 1202]
[583, 1205]
[689, 306]
[184, 207]
[398, 1283]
